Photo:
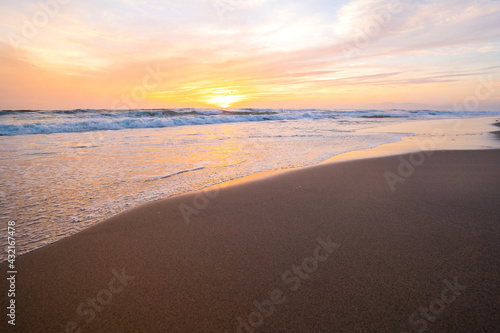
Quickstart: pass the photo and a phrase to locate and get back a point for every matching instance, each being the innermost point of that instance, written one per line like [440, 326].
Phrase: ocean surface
[65, 170]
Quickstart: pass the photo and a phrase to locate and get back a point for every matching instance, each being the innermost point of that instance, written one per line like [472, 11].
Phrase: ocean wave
[140, 119]
[26, 122]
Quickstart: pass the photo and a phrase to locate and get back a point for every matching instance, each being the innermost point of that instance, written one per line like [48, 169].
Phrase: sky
[349, 54]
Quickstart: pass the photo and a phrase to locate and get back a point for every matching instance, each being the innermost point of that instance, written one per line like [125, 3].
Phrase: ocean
[65, 170]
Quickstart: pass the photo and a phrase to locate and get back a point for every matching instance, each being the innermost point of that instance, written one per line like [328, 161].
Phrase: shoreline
[405, 146]
[326, 247]
[441, 134]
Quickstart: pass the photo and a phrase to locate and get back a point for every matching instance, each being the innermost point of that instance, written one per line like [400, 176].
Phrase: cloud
[357, 16]
[260, 48]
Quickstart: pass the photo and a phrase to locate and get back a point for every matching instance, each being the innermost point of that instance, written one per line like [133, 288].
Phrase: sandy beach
[224, 166]
[401, 243]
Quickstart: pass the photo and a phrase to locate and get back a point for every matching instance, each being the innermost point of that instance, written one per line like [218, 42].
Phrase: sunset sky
[71, 54]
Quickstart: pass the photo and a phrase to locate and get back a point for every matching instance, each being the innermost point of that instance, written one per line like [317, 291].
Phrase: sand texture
[329, 248]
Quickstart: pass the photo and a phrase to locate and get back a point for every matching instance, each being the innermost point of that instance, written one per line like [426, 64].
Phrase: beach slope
[329, 248]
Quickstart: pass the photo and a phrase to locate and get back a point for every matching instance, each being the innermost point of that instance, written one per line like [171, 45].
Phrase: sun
[224, 99]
